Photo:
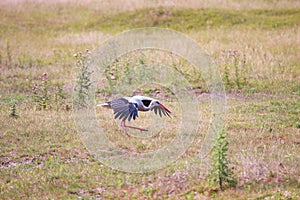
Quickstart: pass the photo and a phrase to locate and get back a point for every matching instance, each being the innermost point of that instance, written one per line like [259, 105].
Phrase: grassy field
[254, 45]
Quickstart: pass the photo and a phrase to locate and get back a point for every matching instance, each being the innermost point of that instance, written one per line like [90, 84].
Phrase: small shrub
[60, 97]
[234, 69]
[13, 109]
[220, 173]
[41, 93]
[83, 80]
[46, 95]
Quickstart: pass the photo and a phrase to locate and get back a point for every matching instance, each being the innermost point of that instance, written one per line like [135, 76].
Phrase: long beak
[166, 109]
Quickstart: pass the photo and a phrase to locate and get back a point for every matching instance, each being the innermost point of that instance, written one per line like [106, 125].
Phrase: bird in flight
[126, 108]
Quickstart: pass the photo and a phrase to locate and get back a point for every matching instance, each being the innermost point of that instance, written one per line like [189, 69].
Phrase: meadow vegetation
[255, 47]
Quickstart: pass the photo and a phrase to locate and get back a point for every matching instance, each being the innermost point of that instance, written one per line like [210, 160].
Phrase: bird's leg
[123, 125]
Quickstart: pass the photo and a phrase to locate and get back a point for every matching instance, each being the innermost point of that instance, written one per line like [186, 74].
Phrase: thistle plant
[41, 94]
[83, 80]
[220, 174]
[60, 97]
[46, 95]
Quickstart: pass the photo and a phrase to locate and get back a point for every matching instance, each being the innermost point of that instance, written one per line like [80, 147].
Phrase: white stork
[126, 108]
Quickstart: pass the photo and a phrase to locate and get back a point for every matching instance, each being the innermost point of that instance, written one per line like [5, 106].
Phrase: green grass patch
[51, 21]
[196, 19]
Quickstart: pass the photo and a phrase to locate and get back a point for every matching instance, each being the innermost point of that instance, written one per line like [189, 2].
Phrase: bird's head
[157, 103]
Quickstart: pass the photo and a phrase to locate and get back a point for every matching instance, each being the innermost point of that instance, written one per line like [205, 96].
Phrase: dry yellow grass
[126, 5]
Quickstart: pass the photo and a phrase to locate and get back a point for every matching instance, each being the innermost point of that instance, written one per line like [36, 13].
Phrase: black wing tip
[159, 111]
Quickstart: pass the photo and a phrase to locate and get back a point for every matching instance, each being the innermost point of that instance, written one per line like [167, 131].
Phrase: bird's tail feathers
[105, 105]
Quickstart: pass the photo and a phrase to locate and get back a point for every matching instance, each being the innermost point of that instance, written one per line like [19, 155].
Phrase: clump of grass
[148, 191]
[60, 98]
[8, 54]
[121, 70]
[189, 73]
[83, 80]
[220, 173]
[113, 74]
[235, 69]
[25, 61]
[13, 109]
[41, 93]
[45, 95]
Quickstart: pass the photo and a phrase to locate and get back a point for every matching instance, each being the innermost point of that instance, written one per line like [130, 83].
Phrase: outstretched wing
[123, 109]
[159, 110]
